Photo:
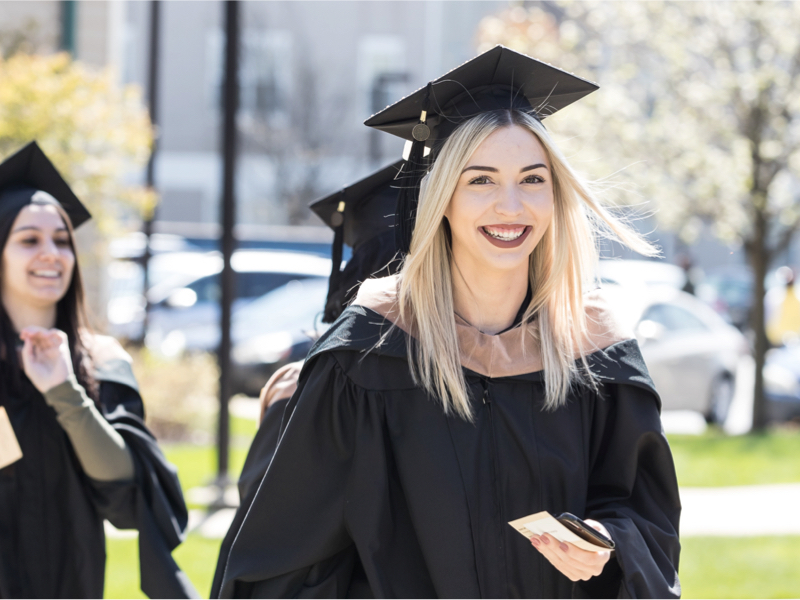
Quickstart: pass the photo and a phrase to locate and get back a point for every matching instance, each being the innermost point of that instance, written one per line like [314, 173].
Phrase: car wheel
[719, 404]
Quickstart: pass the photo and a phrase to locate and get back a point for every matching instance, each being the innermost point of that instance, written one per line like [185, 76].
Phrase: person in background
[783, 310]
[70, 407]
[362, 216]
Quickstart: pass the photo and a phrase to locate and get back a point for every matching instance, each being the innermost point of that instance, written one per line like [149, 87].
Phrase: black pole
[152, 101]
[69, 19]
[228, 217]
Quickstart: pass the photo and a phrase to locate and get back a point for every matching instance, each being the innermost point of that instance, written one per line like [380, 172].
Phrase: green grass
[197, 557]
[758, 567]
[714, 459]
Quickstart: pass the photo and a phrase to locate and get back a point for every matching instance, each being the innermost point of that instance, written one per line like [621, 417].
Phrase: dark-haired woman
[75, 448]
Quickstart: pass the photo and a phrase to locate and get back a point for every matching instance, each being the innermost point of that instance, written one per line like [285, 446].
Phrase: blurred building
[310, 73]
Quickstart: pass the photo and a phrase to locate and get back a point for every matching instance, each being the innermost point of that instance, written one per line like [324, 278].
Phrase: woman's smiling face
[37, 260]
[502, 204]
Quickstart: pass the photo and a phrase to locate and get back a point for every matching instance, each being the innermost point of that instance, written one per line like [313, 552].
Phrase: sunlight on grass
[714, 459]
[197, 557]
[759, 567]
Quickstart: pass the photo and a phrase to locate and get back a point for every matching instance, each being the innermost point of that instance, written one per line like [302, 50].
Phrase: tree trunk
[758, 256]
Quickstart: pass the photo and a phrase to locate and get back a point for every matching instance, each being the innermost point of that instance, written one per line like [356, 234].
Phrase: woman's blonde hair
[562, 262]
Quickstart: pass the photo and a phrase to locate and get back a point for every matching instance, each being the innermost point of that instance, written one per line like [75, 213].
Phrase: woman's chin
[44, 298]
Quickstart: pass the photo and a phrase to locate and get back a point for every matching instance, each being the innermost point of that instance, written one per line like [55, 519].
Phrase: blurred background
[199, 163]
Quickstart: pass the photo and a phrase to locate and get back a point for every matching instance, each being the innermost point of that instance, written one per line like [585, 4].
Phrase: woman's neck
[489, 301]
[24, 315]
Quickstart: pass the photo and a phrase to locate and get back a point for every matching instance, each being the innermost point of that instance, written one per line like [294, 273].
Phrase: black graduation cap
[28, 171]
[498, 79]
[361, 216]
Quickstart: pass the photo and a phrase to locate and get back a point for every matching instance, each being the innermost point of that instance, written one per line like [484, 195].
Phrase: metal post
[152, 98]
[68, 21]
[228, 218]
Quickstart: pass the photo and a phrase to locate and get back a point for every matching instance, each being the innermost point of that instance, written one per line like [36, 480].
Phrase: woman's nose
[48, 250]
[509, 202]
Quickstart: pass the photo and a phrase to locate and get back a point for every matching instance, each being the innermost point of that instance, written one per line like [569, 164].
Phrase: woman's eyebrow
[35, 228]
[479, 168]
[494, 170]
[532, 167]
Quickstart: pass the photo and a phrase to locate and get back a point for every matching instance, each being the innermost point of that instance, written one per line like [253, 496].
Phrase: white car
[188, 301]
[692, 353]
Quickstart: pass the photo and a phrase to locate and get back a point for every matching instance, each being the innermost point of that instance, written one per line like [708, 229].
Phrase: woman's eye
[479, 180]
[62, 243]
[29, 241]
[533, 179]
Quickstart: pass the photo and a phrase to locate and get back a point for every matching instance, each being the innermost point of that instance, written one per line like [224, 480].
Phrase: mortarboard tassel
[333, 303]
[410, 175]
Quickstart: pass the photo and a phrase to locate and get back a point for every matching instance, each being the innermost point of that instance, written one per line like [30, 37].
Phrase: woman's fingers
[46, 357]
[576, 564]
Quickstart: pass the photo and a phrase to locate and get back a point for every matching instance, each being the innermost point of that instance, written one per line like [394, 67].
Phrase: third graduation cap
[361, 216]
[29, 171]
[495, 80]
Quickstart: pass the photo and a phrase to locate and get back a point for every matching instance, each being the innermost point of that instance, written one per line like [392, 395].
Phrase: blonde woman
[486, 382]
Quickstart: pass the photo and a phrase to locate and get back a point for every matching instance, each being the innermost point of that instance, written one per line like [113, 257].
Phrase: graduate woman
[487, 381]
[74, 448]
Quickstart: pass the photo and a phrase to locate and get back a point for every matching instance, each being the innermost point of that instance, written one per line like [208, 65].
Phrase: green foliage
[95, 131]
[757, 567]
[715, 459]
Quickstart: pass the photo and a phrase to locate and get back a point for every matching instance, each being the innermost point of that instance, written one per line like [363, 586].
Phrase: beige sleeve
[101, 450]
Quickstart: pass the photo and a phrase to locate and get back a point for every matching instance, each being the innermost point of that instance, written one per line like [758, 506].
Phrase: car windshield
[295, 306]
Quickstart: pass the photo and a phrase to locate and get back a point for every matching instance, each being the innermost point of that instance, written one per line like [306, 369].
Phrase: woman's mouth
[46, 273]
[506, 236]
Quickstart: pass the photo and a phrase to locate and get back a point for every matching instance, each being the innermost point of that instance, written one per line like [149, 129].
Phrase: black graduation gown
[373, 489]
[52, 543]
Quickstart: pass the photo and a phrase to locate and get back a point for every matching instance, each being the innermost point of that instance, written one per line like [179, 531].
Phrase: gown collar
[512, 352]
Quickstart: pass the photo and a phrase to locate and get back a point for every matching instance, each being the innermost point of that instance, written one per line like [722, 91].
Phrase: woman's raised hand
[575, 563]
[45, 357]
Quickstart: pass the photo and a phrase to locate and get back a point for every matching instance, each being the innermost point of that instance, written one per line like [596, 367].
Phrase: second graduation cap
[29, 171]
[497, 79]
[361, 216]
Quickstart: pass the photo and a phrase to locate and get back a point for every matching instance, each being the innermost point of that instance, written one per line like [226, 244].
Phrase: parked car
[126, 303]
[639, 272]
[692, 353]
[185, 312]
[278, 328]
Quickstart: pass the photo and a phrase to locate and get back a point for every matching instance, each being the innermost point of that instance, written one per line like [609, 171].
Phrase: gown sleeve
[294, 540]
[100, 449]
[152, 502]
[633, 491]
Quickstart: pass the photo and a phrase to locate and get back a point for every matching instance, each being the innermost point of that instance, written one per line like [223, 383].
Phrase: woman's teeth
[51, 274]
[507, 235]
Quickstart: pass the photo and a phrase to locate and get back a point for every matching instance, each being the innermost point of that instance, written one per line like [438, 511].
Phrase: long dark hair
[70, 318]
